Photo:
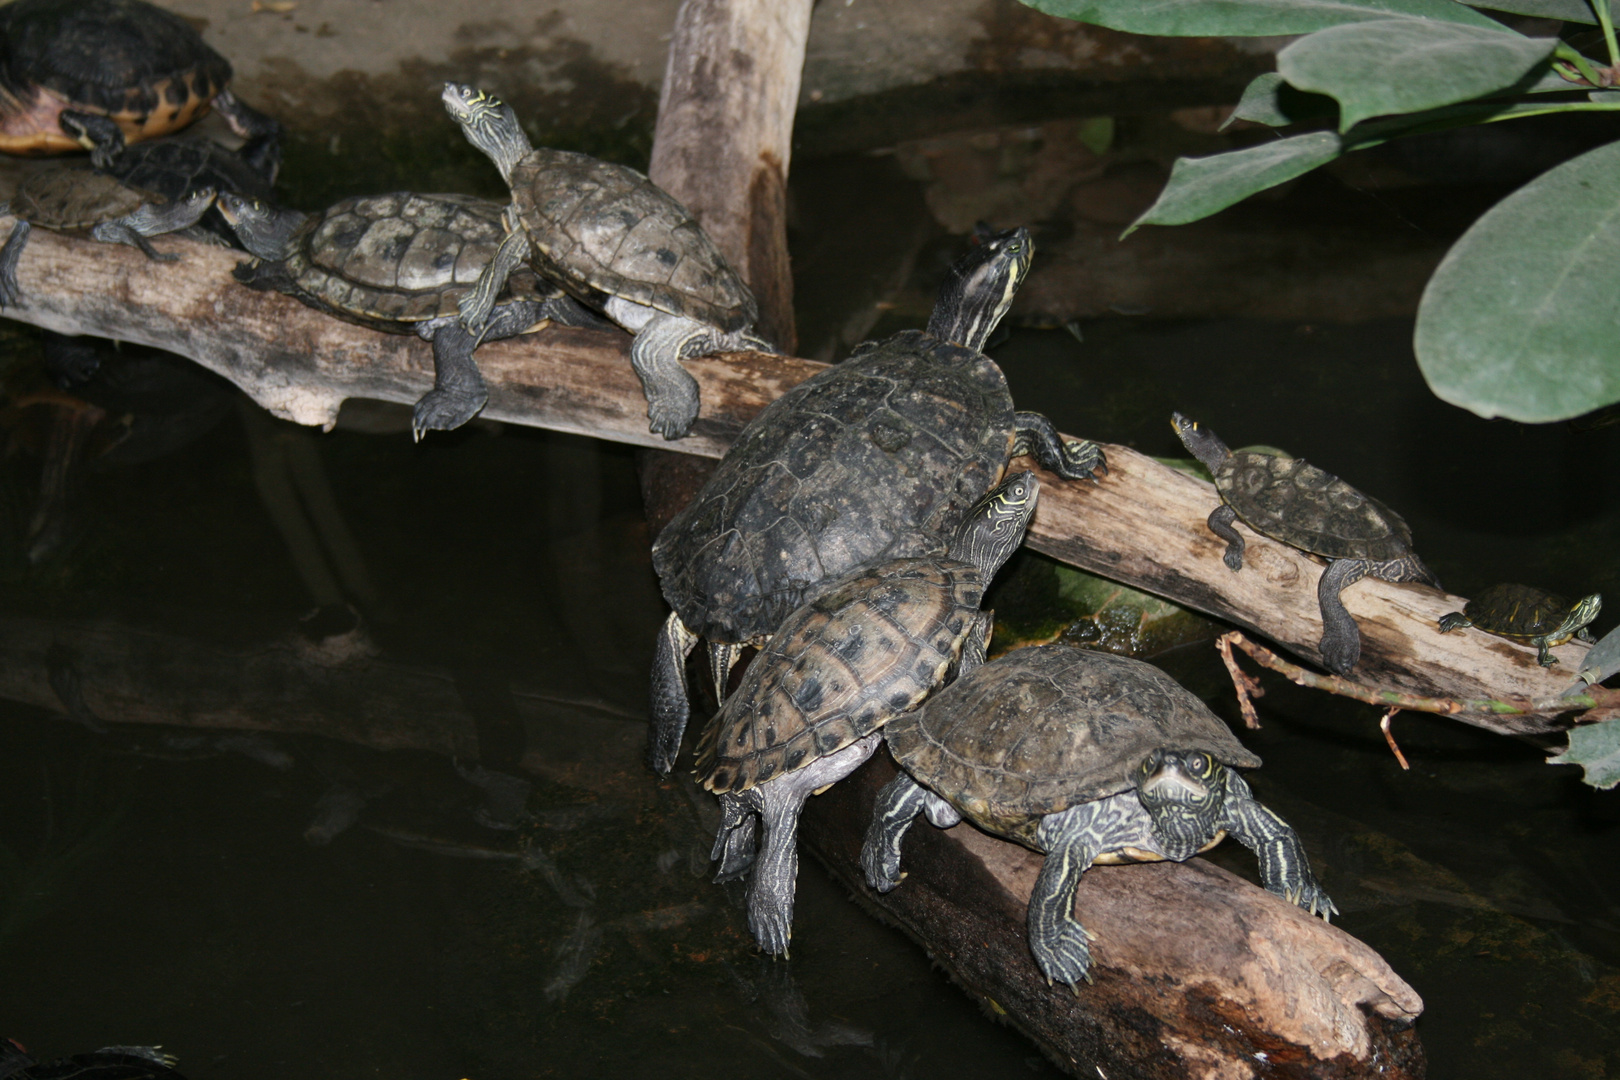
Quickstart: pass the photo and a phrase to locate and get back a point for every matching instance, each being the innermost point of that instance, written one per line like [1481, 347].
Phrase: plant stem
[1581, 63]
[1600, 8]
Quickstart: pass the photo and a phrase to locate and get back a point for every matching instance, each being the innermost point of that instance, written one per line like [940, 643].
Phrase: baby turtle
[1089, 758]
[1528, 615]
[112, 211]
[875, 457]
[179, 168]
[1292, 501]
[617, 242]
[812, 703]
[401, 263]
[108, 1063]
[97, 74]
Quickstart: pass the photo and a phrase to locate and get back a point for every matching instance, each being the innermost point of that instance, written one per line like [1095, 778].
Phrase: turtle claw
[1067, 959]
[445, 410]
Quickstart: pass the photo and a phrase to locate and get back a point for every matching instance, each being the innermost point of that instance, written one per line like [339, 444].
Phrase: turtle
[108, 1063]
[179, 167]
[1528, 615]
[617, 242]
[812, 704]
[400, 263]
[1088, 757]
[98, 74]
[1299, 504]
[64, 197]
[874, 456]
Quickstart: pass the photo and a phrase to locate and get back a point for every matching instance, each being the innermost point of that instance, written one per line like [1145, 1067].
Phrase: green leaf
[1568, 10]
[1249, 18]
[1596, 748]
[1199, 187]
[1407, 65]
[1522, 318]
[1271, 101]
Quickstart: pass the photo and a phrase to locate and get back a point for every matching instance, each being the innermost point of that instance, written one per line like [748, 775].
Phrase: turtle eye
[1198, 763]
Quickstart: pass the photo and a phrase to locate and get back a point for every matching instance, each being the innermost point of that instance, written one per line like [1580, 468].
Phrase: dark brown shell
[841, 667]
[1042, 729]
[1293, 501]
[601, 230]
[76, 198]
[1521, 612]
[875, 457]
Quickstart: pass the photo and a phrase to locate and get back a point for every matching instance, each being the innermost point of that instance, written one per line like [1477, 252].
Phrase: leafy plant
[1522, 318]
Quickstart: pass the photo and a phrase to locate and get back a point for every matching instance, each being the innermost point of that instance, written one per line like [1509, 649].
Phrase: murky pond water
[273, 905]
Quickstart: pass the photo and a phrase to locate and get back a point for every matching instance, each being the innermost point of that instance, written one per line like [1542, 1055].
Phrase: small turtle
[812, 703]
[1527, 615]
[112, 211]
[1087, 757]
[1292, 501]
[179, 168]
[108, 1063]
[873, 457]
[97, 74]
[401, 263]
[617, 242]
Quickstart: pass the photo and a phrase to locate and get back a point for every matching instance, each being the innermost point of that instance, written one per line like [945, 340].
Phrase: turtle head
[489, 124]
[265, 230]
[979, 288]
[1184, 792]
[995, 526]
[1204, 444]
[1584, 611]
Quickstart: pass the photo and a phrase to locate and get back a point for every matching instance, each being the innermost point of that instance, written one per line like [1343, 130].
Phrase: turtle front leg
[154, 219]
[10, 255]
[1038, 437]
[1071, 841]
[1220, 523]
[1284, 869]
[476, 306]
[97, 133]
[671, 392]
[670, 707]
[722, 658]
[898, 805]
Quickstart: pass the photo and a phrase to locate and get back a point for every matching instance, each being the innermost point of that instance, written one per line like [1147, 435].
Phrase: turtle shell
[601, 230]
[1293, 501]
[877, 456]
[176, 168]
[1522, 612]
[1042, 729]
[841, 667]
[76, 198]
[399, 258]
[144, 67]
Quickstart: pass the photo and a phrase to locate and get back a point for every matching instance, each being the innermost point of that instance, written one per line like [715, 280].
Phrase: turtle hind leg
[671, 392]
[1220, 523]
[1341, 639]
[736, 841]
[670, 707]
[1038, 437]
[898, 805]
[262, 151]
[1284, 869]
[459, 392]
[10, 254]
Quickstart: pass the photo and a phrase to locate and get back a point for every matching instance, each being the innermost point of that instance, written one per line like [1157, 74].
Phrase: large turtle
[97, 74]
[112, 212]
[108, 1063]
[1528, 615]
[875, 456]
[1089, 758]
[1295, 502]
[812, 704]
[618, 242]
[401, 263]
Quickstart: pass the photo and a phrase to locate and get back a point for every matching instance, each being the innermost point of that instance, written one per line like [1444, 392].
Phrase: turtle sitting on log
[1528, 615]
[1290, 500]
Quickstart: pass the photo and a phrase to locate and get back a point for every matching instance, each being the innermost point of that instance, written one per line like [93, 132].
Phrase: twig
[1247, 686]
[1389, 736]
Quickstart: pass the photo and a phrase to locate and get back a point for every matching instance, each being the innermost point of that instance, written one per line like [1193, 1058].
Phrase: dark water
[157, 885]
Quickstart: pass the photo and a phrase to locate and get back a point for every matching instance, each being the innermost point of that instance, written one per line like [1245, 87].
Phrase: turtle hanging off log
[1298, 504]
[401, 263]
[98, 74]
[813, 702]
[618, 243]
[874, 457]
[113, 212]
[108, 1063]
[1089, 758]
[1528, 615]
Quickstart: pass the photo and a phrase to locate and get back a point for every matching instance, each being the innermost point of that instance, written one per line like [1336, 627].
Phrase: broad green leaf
[1596, 748]
[1395, 66]
[1568, 10]
[1199, 187]
[1249, 18]
[1271, 101]
[1600, 661]
[1522, 318]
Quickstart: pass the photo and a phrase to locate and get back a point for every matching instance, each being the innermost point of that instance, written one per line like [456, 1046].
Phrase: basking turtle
[873, 457]
[1089, 758]
[401, 263]
[1292, 501]
[1527, 615]
[812, 703]
[179, 168]
[112, 211]
[97, 74]
[108, 1063]
[619, 243]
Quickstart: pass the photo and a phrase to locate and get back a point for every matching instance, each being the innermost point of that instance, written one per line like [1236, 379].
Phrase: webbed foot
[673, 408]
[1066, 957]
[446, 410]
[1310, 896]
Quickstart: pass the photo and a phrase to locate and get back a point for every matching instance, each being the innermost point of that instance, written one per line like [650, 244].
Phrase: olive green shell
[1293, 501]
[1042, 729]
[69, 198]
[1520, 612]
[403, 257]
[841, 667]
[601, 230]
